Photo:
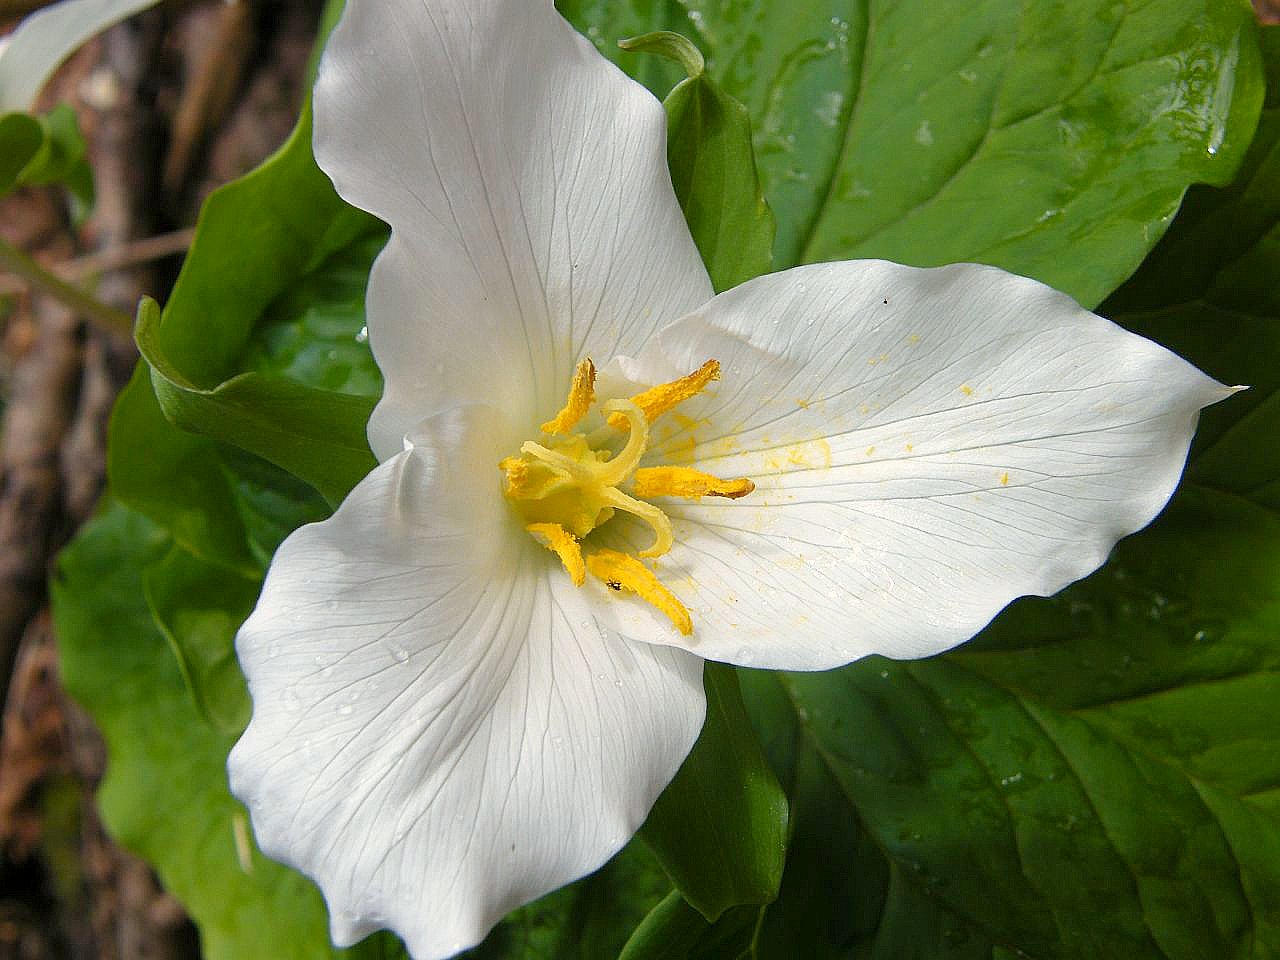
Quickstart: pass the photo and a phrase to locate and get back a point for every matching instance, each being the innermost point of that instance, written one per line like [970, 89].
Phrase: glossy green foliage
[1054, 139]
[1094, 776]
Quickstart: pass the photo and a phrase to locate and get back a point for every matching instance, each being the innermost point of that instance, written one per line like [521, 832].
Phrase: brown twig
[15, 261]
[119, 257]
[214, 75]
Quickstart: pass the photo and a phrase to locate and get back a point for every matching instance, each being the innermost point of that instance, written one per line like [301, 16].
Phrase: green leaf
[207, 493]
[270, 502]
[62, 158]
[174, 478]
[1052, 139]
[1094, 775]
[257, 239]
[586, 920]
[317, 435]
[720, 828]
[713, 168]
[669, 931]
[1209, 292]
[44, 150]
[20, 139]
[165, 795]
[199, 607]
[314, 332]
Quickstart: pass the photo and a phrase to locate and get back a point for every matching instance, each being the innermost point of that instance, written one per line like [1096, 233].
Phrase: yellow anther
[620, 572]
[517, 473]
[582, 393]
[564, 545]
[656, 401]
[687, 482]
[566, 485]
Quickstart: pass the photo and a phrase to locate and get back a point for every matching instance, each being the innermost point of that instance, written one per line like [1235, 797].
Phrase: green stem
[107, 317]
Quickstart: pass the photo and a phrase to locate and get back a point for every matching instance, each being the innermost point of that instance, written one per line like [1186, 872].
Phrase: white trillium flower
[451, 719]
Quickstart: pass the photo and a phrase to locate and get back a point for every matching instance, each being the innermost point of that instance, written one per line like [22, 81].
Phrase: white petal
[440, 733]
[927, 445]
[525, 181]
[43, 40]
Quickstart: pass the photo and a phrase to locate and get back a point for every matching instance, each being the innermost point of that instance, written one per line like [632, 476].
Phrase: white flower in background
[35, 49]
[451, 719]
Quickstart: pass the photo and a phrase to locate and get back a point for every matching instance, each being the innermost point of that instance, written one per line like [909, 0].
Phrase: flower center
[571, 483]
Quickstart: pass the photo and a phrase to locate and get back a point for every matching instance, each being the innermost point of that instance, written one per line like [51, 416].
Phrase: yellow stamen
[566, 485]
[687, 482]
[656, 401]
[620, 572]
[582, 393]
[564, 545]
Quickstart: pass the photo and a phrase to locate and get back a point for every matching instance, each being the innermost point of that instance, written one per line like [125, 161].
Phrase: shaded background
[172, 104]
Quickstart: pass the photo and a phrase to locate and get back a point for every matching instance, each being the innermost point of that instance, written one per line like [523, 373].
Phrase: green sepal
[720, 828]
[673, 930]
[713, 167]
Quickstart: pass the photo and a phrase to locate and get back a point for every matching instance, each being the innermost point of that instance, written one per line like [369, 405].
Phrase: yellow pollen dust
[568, 484]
